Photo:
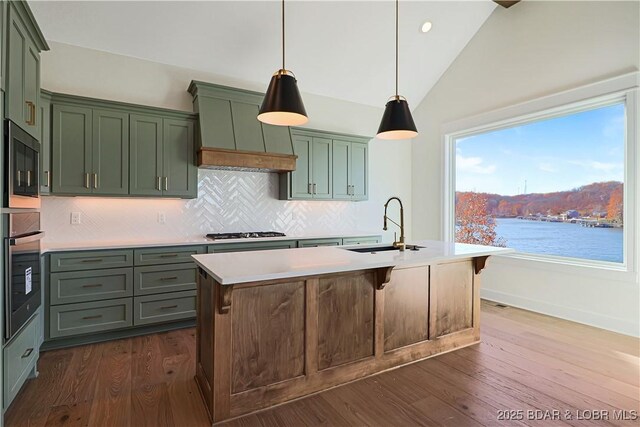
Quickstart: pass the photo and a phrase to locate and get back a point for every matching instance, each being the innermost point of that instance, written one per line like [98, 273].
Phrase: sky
[551, 155]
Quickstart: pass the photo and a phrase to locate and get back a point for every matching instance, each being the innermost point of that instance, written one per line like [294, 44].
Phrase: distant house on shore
[570, 214]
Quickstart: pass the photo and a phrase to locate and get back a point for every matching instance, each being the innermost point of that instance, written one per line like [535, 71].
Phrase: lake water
[563, 239]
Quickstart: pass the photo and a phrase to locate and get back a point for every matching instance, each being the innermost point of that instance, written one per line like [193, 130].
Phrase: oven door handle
[15, 241]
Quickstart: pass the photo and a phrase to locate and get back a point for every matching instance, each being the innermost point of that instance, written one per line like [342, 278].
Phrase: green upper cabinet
[329, 166]
[45, 142]
[110, 148]
[359, 171]
[110, 171]
[350, 163]
[24, 42]
[321, 168]
[146, 156]
[300, 179]
[71, 150]
[180, 172]
[228, 120]
[90, 151]
[162, 157]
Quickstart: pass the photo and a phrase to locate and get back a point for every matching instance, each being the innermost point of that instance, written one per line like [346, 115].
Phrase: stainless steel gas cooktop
[245, 235]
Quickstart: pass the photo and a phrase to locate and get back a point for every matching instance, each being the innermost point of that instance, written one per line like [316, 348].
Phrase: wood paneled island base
[267, 342]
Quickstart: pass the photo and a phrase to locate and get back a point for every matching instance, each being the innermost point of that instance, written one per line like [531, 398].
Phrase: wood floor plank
[112, 403]
[526, 361]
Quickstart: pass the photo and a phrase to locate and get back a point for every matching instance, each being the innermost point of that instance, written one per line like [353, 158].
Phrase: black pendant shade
[282, 104]
[397, 122]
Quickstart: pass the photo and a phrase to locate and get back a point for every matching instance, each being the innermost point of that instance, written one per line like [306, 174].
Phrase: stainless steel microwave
[22, 166]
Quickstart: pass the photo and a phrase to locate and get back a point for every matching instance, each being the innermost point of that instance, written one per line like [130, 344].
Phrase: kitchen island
[273, 326]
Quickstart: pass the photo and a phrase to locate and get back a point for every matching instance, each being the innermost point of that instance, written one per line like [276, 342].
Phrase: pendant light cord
[397, 1]
[283, 35]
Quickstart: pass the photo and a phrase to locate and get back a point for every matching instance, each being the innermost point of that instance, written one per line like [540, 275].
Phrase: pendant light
[397, 122]
[282, 104]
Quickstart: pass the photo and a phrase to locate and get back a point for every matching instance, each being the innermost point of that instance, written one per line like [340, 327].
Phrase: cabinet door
[180, 177]
[145, 166]
[341, 170]
[246, 127]
[17, 39]
[71, 149]
[110, 172]
[32, 89]
[359, 171]
[301, 177]
[321, 168]
[45, 145]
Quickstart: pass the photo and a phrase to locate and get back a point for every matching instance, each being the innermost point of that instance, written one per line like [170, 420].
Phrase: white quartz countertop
[243, 267]
[186, 241]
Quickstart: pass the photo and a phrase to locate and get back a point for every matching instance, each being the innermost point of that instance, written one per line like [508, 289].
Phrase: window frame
[607, 92]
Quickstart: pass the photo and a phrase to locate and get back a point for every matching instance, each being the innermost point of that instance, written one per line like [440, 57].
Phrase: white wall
[87, 72]
[533, 49]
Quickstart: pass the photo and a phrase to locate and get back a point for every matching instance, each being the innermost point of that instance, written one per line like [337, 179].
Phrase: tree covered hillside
[601, 197]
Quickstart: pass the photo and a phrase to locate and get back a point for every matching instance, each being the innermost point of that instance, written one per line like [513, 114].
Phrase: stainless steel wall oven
[22, 291]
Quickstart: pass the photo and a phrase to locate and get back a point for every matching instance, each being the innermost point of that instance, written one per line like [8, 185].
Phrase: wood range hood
[220, 158]
[230, 137]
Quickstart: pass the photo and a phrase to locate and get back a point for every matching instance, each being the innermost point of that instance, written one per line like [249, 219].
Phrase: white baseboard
[622, 326]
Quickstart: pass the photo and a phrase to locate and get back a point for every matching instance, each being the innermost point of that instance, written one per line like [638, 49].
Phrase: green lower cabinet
[164, 307]
[154, 279]
[89, 260]
[369, 240]
[167, 255]
[94, 285]
[19, 358]
[313, 243]
[90, 317]
[256, 246]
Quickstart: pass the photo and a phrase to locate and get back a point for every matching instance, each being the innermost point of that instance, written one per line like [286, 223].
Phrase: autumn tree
[473, 222]
[614, 208]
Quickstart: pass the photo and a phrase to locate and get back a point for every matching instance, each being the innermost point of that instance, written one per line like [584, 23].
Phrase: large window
[550, 185]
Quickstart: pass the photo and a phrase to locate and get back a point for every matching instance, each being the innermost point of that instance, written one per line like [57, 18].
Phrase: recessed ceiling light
[426, 27]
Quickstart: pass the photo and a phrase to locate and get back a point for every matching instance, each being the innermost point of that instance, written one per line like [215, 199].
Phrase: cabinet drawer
[81, 286]
[369, 240]
[82, 318]
[168, 255]
[312, 243]
[164, 307]
[19, 358]
[156, 279]
[73, 261]
[256, 246]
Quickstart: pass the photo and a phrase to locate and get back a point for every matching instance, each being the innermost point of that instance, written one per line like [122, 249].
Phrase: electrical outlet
[162, 218]
[76, 218]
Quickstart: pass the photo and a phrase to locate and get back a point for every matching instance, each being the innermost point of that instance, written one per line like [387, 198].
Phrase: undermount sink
[375, 249]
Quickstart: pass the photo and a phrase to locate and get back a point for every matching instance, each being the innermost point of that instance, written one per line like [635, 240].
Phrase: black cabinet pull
[27, 353]
[169, 278]
[95, 285]
[92, 317]
[168, 255]
[92, 260]
[168, 307]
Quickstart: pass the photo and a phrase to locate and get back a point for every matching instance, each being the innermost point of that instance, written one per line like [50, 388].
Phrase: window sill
[591, 268]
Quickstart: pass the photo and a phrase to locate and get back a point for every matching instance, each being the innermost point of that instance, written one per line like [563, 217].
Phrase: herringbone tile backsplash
[227, 201]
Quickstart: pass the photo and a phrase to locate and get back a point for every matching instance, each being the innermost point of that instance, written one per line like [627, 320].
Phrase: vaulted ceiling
[340, 49]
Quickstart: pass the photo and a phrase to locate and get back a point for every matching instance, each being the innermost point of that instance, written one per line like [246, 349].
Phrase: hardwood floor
[526, 362]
